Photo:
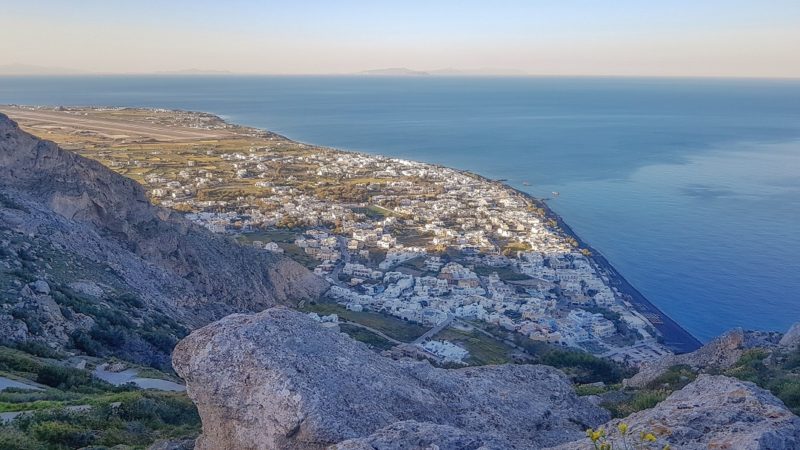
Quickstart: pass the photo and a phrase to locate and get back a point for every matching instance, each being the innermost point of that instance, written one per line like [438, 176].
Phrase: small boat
[525, 183]
[555, 193]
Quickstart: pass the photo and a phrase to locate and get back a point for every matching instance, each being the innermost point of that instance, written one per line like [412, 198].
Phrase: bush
[673, 379]
[65, 378]
[13, 439]
[584, 367]
[60, 433]
[82, 341]
[39, 349]
[639, 401]
[15, 361]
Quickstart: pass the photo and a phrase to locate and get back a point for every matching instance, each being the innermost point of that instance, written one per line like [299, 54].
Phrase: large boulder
[792, 337]
[279, 380]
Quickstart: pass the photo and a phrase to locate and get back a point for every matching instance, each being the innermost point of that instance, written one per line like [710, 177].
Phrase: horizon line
[221, 74]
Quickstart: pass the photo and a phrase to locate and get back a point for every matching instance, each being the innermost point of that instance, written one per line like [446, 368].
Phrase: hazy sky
[580, 37]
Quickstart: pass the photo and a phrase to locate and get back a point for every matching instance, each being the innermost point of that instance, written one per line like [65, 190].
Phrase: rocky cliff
[108, 256]
[278, 380]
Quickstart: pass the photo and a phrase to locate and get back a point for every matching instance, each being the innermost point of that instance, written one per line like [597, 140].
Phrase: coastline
[675, 337]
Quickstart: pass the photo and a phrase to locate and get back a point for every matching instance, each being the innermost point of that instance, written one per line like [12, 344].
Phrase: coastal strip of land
[674, 336]
[423, 243]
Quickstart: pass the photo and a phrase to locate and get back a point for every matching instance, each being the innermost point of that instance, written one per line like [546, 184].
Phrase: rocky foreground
[279, 380]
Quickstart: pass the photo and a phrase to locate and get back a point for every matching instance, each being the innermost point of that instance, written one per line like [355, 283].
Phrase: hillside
[89, 264]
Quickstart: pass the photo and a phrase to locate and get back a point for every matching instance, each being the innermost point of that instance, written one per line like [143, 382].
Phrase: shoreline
[675, 337]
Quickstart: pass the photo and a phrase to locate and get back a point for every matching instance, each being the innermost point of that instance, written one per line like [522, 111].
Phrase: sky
[754, 38]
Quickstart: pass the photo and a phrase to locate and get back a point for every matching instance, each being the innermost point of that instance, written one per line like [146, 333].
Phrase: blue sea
[690, 187]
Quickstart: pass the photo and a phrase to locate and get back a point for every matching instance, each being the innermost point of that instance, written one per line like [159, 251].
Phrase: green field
[483, 350]
[393, 327]
[374, 212]
[505, 273]
[281, 235]
[366, 336]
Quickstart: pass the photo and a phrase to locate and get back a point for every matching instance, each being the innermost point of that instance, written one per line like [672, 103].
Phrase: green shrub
[39, 349]
[639, 401]
[63, 434]
[68, 378]
[16, 361]
[13, 439]
[84, 342]
[584, 367]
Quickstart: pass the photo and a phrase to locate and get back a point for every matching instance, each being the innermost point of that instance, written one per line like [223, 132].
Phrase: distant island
[448, 71]
[394, 71]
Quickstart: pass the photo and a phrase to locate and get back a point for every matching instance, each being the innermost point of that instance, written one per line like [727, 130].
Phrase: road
[131, 376]
[379, 333]
[435, 330]
[9, 383]
[337, 269]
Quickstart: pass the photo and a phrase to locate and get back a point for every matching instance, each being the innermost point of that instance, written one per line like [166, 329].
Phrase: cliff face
[68, 220]
[279, 380]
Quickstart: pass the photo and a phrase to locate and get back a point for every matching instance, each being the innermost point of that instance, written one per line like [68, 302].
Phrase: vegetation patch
[395, 328]
[779, 373]
[363, 335]
[483, 350]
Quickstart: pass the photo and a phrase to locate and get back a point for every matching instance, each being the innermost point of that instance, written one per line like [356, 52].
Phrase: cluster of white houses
[438, 243]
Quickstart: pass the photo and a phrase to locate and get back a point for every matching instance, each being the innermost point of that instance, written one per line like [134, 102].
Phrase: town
[423, 243]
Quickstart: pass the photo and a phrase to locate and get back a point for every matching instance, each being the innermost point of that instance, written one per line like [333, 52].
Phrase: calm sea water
[691, 188]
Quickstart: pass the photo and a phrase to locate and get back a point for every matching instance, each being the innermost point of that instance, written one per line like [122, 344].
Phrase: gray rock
[414, 435]
[40, 287]
[719, 354]
[85, 287]
[279, 380]
[792, 337]
[13, 330]
[713, 412]
[175, 444]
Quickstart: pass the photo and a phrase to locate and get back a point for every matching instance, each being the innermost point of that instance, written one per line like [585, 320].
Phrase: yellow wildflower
[650, 437]
[622, 427]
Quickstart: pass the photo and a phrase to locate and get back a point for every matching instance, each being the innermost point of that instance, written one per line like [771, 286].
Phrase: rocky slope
[279, 380]
[718, 355]
[713, 412]
[86, 258]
